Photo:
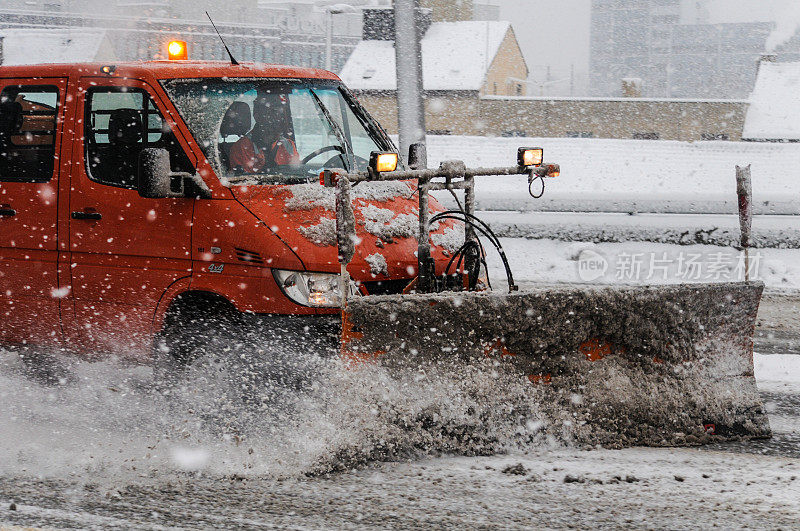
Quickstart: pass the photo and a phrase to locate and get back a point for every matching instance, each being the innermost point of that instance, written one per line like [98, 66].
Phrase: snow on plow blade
[654, 365]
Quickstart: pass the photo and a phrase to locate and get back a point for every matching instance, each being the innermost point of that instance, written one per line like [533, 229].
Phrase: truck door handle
[10, 212]
[86, 215]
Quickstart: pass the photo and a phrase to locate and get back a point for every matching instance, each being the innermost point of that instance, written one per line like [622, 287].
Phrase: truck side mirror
[418, 156]
[157, 180]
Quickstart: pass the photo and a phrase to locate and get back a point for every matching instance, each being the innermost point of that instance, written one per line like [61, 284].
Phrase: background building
[461, 10]
[479, 56]
[474, 78]
[461, 61]
[286, 31]
[26, 46]
[688, 81]
[669, 45]
[273, 31]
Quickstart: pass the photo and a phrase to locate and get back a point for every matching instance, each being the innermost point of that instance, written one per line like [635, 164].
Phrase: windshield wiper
[340, 136]
[368, 121]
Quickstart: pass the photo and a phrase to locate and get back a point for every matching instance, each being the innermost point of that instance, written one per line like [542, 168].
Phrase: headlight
[319, 290]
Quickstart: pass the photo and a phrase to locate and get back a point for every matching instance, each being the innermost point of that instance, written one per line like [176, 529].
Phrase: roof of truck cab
[167, 70]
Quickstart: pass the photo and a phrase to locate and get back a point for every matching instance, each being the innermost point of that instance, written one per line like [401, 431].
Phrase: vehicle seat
[125, 133]
[10, 118]
[237, 121]
[10, 125]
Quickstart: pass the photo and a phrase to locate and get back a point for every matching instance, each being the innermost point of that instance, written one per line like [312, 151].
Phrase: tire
[193, 327]
[233, 367]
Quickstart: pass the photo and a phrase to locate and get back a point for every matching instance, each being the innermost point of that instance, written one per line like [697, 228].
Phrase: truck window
[120, 122]
[27, 133]
[278, 131]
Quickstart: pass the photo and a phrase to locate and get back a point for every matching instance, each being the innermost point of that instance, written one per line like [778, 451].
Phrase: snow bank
[778, 372]
[782, 232]
[606, 175]
[774, 111]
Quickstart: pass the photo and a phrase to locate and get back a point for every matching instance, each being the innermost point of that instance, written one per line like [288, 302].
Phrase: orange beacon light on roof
[177, 51]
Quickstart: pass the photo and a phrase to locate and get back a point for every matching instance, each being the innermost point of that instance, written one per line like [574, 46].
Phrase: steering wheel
[320, 151]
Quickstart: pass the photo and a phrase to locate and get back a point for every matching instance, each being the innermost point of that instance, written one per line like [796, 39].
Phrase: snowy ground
[113, 475]
[781, 232]
[604, 175]
[550, 261]
[637, 488]
[778, 373]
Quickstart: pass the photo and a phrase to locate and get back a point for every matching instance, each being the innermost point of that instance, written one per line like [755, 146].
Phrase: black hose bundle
[475, 246]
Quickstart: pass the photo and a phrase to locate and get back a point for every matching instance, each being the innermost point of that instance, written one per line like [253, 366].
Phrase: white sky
[556, 32]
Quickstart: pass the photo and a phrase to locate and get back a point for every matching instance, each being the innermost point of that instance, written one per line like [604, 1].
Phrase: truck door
[125, 250]
[31, 121]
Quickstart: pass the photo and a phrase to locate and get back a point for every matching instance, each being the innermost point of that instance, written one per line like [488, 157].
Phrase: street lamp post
[331, 10]
[408, 59]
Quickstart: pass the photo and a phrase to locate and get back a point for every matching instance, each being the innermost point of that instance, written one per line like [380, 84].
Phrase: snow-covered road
[106, 452]
[557, 488]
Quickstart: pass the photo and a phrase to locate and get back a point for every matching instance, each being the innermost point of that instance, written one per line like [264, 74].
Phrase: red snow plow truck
[142, 203]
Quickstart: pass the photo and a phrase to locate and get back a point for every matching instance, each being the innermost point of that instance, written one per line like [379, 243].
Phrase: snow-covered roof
[774, 112]
[455, 56]
[34, 46]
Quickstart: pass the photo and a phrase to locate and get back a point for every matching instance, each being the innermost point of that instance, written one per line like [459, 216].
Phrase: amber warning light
[177, 51]
[529, 156]
[382, 162]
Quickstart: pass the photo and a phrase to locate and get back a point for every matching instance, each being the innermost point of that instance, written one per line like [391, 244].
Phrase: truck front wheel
[207, 345]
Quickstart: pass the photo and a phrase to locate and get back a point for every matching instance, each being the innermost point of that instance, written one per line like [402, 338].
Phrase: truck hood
[387, 222]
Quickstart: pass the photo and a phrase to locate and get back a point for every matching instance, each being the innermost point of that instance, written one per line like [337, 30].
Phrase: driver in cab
[269, 143]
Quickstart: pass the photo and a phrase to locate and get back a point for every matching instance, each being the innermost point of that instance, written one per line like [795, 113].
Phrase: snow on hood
[774, 112]
[377, 264]
[455, 56]
[311, 196]
[387, 223]
[384, 223]
[322, 233]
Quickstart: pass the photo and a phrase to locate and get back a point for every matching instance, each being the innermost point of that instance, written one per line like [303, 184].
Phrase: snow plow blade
[622, 366]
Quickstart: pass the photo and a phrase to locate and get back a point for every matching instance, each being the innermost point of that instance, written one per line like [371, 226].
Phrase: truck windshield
[277, 131]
